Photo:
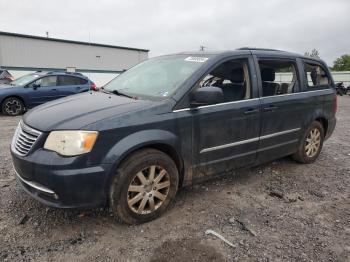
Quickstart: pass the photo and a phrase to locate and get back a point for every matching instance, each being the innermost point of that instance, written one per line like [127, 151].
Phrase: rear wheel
[12, 106]
[144, 186]
[311, 144]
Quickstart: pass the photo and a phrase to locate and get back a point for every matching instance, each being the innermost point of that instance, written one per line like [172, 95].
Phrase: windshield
[158, 77]
[24, 80]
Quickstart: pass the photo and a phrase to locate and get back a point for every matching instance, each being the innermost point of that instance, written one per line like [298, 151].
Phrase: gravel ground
[282, 211]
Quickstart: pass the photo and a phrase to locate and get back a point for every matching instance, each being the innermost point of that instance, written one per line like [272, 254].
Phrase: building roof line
[70, 41]
[60, 69]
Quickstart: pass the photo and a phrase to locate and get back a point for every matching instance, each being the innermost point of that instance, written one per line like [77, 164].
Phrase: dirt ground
[282, 211]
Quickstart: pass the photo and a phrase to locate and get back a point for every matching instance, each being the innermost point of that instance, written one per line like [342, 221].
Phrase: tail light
[93, 86]
[10, 78]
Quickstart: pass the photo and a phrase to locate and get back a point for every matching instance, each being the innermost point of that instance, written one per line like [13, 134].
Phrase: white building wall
[16, 51]
[342, 76]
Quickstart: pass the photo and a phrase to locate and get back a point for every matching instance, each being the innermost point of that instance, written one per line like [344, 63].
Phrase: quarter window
[316, 75]
[278, 77]
[232, 77]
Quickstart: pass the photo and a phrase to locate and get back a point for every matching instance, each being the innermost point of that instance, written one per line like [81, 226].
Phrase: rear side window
[278, 77]
[316, 75]
[71, 81]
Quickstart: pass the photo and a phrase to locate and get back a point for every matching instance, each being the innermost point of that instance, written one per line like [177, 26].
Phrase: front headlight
[71, 143]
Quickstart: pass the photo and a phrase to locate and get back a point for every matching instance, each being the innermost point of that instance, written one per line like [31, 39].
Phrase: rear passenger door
[281, 107]
[69, 85]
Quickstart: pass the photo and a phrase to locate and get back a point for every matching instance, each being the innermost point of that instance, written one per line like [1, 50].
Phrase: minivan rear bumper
[61, 186]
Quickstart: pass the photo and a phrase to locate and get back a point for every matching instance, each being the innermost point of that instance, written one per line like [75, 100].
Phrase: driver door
[226, 135]
[43, 90]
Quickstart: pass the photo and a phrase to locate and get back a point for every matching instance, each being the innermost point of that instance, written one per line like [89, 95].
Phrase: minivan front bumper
[61, 184]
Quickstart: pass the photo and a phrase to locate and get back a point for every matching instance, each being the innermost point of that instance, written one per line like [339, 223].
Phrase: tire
[311, 144]
[12, 106]
[132, 197]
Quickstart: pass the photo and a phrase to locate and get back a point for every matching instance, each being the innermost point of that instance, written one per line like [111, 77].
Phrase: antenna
[93, 60]
[202, 47]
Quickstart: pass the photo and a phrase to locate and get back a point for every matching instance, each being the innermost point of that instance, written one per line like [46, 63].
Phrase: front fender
[12, 93]
[138, 140]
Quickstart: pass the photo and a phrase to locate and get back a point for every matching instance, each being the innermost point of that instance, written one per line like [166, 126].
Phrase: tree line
[340, 64]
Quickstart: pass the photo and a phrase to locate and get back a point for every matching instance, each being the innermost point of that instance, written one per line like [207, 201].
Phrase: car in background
[34, 89]
[5, 77]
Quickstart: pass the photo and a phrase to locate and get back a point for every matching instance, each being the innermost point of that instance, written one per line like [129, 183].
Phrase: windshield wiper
[118, 93]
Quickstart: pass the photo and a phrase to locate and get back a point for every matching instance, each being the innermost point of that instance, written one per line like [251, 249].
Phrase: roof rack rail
[260, 49]
[65, 72]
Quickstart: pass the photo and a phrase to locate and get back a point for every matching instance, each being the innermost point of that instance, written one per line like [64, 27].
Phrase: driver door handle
[251, 111]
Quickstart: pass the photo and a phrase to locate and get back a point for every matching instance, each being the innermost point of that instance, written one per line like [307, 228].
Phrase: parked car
[172, 121]
[34, 89]
[5, 77]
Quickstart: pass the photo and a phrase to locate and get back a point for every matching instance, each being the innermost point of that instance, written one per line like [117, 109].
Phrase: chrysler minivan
[172, 121]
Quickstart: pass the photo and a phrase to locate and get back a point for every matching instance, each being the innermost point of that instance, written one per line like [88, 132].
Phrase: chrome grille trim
[24, 139]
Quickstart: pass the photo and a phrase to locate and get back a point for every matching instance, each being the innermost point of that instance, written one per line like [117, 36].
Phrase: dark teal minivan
[172, 121]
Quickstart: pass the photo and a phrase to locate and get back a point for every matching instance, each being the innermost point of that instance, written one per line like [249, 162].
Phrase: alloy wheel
[13, 107]
[148, 189]
[313, 142]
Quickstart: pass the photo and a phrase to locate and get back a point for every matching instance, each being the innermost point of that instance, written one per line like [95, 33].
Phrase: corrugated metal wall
[36, 53]
[343, 76]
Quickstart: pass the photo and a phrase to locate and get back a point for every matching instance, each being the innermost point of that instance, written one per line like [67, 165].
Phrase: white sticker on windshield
[197, 59]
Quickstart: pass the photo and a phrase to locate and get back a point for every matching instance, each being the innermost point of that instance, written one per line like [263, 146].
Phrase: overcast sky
[165, 26]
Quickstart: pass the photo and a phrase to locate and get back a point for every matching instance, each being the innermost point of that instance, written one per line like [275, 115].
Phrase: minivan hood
[77, 111]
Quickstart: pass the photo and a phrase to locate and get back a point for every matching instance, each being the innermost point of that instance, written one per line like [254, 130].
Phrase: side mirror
[207, 95]
[36, 85]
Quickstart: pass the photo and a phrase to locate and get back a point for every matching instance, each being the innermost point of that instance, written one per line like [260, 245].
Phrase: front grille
[24, 139]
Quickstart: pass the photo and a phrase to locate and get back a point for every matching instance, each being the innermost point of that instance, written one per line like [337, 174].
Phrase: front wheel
[311, 144]
[12, 106]
[144, 186]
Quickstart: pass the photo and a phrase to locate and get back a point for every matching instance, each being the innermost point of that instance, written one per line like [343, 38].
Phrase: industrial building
[21, 54]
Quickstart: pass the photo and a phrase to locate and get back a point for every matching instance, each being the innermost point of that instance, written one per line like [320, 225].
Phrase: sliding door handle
[251, 111]
[270, 108]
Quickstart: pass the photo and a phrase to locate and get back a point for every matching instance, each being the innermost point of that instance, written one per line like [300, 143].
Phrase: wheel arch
[16, 96]
[324, 122]
[161, 140]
